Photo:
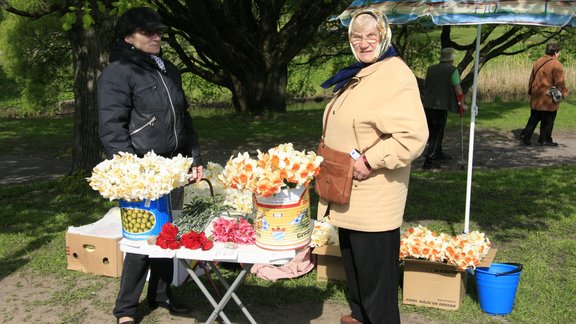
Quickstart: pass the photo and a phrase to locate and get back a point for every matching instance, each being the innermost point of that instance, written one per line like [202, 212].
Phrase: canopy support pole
[473, 113]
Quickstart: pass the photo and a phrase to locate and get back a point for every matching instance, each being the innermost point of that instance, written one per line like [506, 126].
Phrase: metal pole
[473, 113]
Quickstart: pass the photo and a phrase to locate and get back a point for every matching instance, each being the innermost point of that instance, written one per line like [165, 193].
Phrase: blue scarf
[341, 77]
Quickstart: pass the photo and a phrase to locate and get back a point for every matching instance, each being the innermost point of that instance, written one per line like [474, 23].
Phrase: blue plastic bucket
[497, 287]
[144, 219]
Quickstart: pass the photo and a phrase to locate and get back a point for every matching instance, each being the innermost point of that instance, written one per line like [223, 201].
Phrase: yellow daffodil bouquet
[463, 251]
[280, 168]
[130, 178]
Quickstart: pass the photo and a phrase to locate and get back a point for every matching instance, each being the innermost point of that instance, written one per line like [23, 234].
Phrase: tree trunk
[90, 48]
[262, 93]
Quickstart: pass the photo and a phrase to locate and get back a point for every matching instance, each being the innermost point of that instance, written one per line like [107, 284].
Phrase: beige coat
[385, 101]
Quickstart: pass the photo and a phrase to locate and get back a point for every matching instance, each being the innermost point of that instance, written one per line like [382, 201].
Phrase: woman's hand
[361, 170]
[195, 174]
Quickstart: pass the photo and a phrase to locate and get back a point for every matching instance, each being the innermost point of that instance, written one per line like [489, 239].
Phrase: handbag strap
[534, 73]
[372, 145]
[330, 110]
[326, 118]
[351, 82]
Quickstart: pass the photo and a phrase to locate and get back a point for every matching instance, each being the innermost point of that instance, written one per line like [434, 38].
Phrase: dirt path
[497, 149]
[25, 301]
[492, 149]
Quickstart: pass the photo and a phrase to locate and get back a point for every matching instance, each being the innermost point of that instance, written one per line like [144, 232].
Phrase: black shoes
[549, 144]
[525, 140]
[173, 309]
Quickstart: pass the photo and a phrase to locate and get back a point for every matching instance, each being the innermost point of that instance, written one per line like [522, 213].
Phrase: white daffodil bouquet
[324, 234]
[130, 178]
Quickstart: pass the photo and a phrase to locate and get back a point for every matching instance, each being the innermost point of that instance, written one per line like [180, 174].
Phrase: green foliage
[198, 213]
[36, 56]
[123, 5]
[10, 90]
[70, 18]
[420, 49]
[201, 92]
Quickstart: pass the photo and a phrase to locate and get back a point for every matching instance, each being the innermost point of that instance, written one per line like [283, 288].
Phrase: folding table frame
[230, 291]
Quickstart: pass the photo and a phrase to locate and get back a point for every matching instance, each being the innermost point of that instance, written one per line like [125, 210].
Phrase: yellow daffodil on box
[279, 168]
[464, 250]
[130, 178]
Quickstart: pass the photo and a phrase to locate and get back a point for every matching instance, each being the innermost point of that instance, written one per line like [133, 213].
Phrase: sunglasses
[150, 33]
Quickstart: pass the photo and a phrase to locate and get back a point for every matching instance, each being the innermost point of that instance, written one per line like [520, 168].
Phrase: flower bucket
[497, 287]
[282, 221]
[144, 219]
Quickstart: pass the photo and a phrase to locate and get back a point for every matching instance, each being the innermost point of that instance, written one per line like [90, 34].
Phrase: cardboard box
[435, 284]
[92, 254]
[329, 263]
[94, 248]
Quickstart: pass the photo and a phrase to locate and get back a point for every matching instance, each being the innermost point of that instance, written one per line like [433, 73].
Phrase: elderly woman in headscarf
[377, 106]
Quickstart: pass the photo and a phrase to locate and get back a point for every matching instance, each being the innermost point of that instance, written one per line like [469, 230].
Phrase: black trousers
[436, 120]
[546, 120]
[372, 270]
[135, 271]
[133, 278]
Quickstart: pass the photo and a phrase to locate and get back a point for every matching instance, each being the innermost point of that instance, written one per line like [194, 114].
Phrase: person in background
[547, 71]
[377, 101]
[141, 107]
[441, 93]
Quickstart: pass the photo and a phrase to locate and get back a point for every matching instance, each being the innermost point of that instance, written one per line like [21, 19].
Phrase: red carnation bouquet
[168, 239]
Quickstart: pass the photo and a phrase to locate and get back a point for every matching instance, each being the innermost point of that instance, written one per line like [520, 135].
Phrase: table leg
[246, 269]
[206, 293]
[230, 292]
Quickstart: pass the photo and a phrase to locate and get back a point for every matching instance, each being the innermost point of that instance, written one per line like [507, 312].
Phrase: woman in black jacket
[142, 108]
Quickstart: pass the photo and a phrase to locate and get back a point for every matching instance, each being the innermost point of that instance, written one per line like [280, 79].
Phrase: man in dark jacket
[442, 93]
[142, 107]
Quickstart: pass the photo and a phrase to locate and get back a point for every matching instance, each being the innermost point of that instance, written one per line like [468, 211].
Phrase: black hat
[135, 19]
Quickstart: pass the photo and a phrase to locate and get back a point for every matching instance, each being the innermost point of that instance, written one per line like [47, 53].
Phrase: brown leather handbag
[334, 181]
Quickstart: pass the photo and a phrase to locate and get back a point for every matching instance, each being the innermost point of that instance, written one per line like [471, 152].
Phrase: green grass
[40, 137]
[502, 115]
[528, 214]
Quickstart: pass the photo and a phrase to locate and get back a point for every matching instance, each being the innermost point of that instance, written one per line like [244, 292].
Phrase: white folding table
[247, 255]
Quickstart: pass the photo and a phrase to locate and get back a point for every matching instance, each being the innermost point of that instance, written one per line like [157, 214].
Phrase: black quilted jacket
[141, 108]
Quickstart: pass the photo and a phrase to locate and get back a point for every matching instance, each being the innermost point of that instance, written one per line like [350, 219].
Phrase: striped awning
[468, 12]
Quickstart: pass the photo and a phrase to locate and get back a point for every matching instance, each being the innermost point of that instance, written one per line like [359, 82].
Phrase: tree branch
[36, 14]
